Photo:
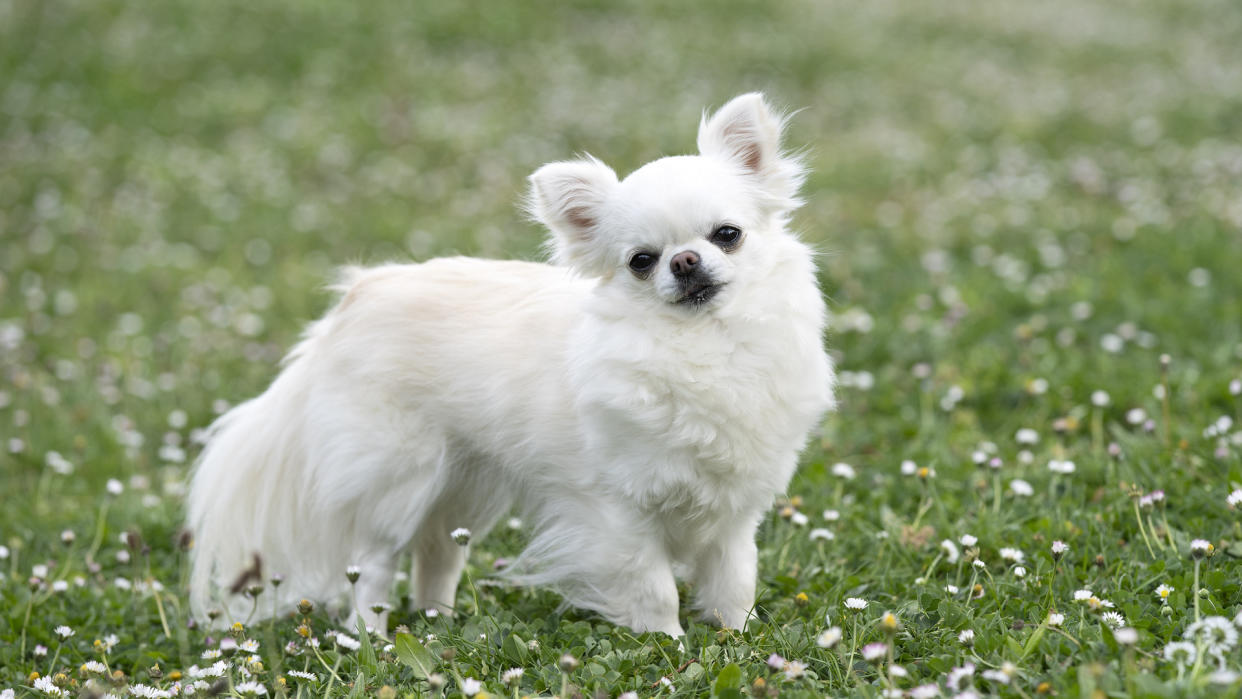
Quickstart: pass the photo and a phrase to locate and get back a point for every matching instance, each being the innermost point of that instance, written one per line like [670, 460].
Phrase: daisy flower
[960, 677]
[820, 534]
[1125, 636]
[1215, 634]
[346, 642]
[829, 638]
[1181, 652]
[794, 669]
[1021, 488]
[951, 554]
[64, 631]
[966, 637]
[1012, 554]
[843, 471]
[470, 686]
[1059, 548]
[1163, 593]
[874, 652]
[1055, 619]
[967, 540]
[1113, 619]
[855, 603]
[1026, 435]
[1235, 498]
[1060, 466]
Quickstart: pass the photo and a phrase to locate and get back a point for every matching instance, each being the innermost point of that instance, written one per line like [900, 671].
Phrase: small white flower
[44, 684]
[1235, 498]
[1224, 677]
[925, 691]
[1021, 488]
[951, 589]
[995, 676]
[64, 631]
[210, 654]
[1012, 554]
[977, 563]
[1019, 572]
[302, 675]
[1136, 416]
[874, 651]
[797, 518]
[822, 534]
[252, 689]
[951, 554]
[250, 645]
[1163, 593]
[1055, 619]
[1061, 466]
[1026, 435]
[898, 671]
[1125, 636]
[461, 536]
[1059, 548]
[1100, 399]
[966, 637]
[1083, 595]
[470, 686]
[908, 467]
[855, 603]
[833, 515]
[842, 470]
[967, 540]
[829, 638]
[114, 487]
[776, 662]
[1235, 387]
[794, 669]
[1181, 652]
[960, 677]
[1215, 634]
[346, 642]
[94, 666]
[1113, 619]
[512, 675]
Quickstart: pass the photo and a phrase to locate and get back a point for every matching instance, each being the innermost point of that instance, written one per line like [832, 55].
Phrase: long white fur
[640, 436]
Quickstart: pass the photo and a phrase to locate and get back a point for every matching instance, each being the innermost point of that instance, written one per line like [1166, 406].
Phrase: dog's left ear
[747, 133]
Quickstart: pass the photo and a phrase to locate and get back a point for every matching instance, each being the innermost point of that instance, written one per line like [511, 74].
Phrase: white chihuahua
[642, 401]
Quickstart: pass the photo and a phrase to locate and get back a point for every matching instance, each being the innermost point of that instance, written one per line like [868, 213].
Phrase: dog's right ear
[568, 198]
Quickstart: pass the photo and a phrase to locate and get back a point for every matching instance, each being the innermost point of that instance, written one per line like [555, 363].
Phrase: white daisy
[1180, 652]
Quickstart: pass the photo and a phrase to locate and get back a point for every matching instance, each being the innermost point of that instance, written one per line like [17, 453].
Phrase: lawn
[1030, 215]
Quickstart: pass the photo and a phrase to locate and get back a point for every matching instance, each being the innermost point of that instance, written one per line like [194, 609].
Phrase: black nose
[683, 263]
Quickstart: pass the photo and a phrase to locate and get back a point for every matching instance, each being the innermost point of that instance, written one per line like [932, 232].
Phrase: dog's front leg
[724, 576]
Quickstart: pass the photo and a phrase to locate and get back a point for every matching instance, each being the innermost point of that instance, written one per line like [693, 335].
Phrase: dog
[641, 399]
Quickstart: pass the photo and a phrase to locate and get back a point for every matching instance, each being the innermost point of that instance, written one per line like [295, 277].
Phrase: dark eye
[642, 262]
[726, 237]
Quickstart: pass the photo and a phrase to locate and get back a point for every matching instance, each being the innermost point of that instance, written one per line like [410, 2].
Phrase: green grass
[1019, 204]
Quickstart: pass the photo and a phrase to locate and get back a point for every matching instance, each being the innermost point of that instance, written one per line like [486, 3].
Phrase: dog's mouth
[699, 293]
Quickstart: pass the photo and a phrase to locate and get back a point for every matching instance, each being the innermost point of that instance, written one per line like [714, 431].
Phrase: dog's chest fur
[708, 416]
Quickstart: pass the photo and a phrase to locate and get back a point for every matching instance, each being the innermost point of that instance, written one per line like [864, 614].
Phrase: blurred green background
[178, 179]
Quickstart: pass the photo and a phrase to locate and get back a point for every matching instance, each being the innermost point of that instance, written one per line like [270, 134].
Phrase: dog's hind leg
[437, 567]
[473, 498]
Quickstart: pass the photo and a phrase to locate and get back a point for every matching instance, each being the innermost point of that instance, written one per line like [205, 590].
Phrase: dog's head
[680, 231]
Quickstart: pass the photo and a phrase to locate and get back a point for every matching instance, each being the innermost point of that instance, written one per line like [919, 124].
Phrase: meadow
[1030, 219]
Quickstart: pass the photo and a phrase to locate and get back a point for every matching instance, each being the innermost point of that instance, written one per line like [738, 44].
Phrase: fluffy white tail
[244, 499]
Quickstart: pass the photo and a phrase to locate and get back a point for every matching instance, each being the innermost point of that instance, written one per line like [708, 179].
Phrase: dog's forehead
[676, 197]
